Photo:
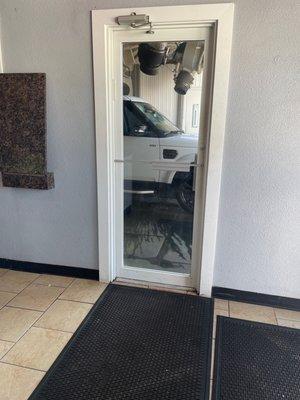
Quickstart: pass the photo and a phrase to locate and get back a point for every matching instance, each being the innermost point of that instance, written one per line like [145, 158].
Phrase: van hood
[180, 140]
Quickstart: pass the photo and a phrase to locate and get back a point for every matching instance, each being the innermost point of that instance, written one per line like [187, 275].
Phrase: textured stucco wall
[258, 245]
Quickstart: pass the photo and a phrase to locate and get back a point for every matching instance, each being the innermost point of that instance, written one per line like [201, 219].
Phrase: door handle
[139, 191]
[161, 162]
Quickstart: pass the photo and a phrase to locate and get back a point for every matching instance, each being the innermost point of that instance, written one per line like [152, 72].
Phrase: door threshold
[156, 286]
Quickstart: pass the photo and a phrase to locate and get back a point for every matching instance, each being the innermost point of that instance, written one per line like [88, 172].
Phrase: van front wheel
[185, 196]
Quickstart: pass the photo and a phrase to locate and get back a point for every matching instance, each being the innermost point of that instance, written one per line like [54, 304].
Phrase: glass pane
[162, 83]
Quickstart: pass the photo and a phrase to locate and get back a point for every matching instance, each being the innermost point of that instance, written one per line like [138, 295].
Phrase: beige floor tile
[217, 312]
[5, 297]
[54, 280]
[64, 315]
[289, 324]
[84, 290]
[221, 304]
[38, 348]
[15, 281]
[3, 271]
[36, 297]
[17, 383]
[4, 347]
[252, 312]
[287, 314]
[14, 322]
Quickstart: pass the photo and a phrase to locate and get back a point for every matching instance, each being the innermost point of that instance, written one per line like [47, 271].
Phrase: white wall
[159, 91]
[57, 226]
[258, 246]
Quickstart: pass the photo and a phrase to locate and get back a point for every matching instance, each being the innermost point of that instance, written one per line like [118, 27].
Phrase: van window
[164, 126]
[135, 123]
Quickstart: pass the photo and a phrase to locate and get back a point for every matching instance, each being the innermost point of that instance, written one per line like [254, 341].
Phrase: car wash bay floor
[40, 313]
[158, 234]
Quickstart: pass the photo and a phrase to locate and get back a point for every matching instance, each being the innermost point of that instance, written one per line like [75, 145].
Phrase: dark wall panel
[23, 153]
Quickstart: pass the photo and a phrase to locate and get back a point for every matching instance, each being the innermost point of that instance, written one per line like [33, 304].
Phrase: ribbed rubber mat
[255, 361]
[136, 344]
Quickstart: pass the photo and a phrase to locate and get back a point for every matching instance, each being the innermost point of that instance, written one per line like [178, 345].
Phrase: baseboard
[49, 269]
[256, 298]
[217, 292]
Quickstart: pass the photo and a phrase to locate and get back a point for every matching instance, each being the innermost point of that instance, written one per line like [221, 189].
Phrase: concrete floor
[158, 235]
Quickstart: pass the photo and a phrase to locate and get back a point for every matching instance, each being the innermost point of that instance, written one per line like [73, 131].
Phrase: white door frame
[162, 34]
[220, 17]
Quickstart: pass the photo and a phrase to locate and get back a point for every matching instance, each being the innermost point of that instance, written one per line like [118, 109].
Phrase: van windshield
[162, 123]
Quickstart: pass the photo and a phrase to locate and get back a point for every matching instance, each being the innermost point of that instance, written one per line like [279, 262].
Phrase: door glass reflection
[162, 83]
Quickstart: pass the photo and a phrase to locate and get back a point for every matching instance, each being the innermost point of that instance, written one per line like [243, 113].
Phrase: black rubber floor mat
[136, 344]
[255, 361]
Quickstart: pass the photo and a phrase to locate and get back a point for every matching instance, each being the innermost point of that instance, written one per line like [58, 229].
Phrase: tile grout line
[80, 301]
[9, 291]
[31, 324]
[276, 319]
[77, 301]
[18, 340]
[8, 341]
[37, 327]
[22, 289]
[55, 330]
[26, 329]
[43, 312]
[50, 285]
[59, 330]
[6, 352]
[57, 299]
[32, 309]
[4, 305]
[20, 366]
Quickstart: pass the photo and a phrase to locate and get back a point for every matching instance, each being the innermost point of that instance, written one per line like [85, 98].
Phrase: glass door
[162, 155]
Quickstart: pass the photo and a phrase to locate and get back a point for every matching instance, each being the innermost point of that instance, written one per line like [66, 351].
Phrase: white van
[158, 156]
